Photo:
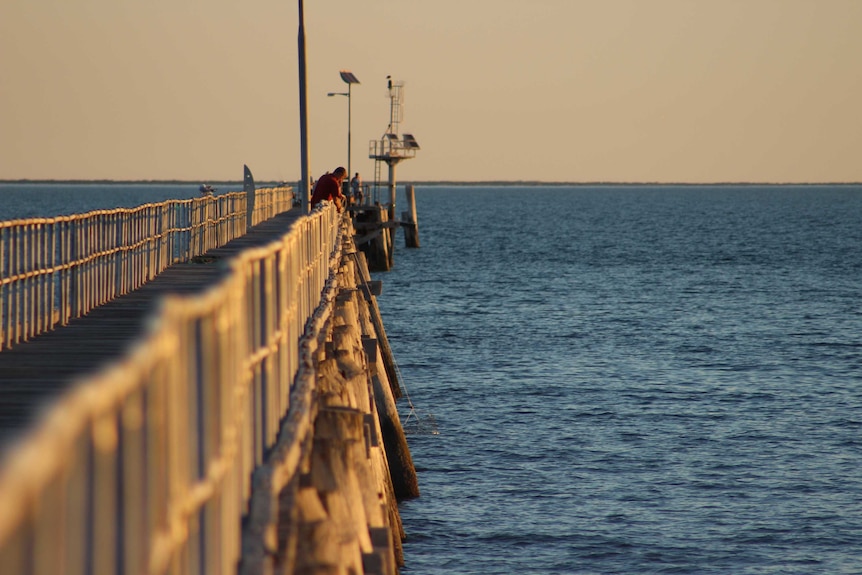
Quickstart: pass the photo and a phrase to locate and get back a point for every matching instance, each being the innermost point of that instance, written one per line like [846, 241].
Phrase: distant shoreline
[436, 183]
[594, 184]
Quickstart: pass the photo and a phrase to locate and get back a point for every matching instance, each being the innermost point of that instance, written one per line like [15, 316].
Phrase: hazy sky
[552, 90]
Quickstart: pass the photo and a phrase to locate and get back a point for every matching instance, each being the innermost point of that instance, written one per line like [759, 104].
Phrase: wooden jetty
[235, 413]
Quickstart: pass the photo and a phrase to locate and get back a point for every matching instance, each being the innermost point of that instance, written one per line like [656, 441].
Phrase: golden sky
[550, 90]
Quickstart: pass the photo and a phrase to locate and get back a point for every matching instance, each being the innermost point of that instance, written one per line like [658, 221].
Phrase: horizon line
[438, 182]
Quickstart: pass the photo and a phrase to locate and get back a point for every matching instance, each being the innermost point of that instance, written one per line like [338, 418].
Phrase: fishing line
[414, 423]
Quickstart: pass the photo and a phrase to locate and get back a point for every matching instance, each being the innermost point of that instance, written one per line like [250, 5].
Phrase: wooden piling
[375, 230]
[401, 466]
[381, 253]
[369, 291]
[409, 220]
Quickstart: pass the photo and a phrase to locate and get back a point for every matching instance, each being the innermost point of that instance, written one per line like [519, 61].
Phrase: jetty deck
[35, 372]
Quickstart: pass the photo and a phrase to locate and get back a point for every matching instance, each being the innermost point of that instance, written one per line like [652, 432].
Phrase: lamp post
[349, 79]
[303, 112]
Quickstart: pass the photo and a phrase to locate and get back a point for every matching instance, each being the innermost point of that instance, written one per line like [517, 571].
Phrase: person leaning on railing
[328, 188]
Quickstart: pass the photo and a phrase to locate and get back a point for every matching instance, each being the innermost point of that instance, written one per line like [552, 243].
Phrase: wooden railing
[56, 269]
[146, 467]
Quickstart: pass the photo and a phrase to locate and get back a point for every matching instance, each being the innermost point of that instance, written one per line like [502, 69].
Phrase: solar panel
[348, 77]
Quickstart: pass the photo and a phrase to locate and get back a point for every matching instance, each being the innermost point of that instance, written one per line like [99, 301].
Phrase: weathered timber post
[378, 245]
[409, 220]
[401, 466]
[386, 389]
[370, 290]
[389, 236]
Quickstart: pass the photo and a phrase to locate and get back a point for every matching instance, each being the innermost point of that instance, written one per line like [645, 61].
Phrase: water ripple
[634, 380]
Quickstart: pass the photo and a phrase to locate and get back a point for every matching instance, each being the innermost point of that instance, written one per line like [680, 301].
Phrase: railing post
[75, 250]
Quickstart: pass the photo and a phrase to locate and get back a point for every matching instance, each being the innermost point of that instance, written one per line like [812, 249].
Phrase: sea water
[625, 379]
[46, 200]
[633, 379]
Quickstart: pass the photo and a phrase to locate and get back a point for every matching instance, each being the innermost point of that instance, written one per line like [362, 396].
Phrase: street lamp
[303, 112]
[349, 79]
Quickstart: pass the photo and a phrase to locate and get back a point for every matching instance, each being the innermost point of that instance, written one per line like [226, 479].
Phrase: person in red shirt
[328, 188]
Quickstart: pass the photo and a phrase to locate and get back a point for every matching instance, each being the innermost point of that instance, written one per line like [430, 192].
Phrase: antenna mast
[392, 148]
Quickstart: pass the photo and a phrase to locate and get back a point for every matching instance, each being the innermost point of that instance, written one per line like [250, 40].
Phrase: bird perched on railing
[206, 190]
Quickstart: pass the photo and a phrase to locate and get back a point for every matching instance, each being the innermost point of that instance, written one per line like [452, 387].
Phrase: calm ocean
[625, 379]
[633, 380]
[49, 200]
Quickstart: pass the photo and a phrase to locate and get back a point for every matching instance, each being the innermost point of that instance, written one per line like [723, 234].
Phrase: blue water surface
[46, 200]
[626, 379]
[633, 379]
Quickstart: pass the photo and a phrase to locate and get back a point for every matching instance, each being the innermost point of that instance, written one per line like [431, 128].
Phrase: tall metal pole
[349, 99]
[348, 78]
[303, 113]
[392, 163]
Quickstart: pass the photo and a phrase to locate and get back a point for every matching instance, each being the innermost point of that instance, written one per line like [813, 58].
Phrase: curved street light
[349, 79]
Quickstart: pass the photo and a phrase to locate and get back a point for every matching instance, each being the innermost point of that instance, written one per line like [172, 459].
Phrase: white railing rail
[146, 467]
[53, 270]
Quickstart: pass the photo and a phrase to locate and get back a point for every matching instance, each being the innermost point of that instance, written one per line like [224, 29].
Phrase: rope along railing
[53, 270]
[146, 467]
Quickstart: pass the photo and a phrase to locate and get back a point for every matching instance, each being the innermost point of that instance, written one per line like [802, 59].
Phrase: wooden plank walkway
[36, 371]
